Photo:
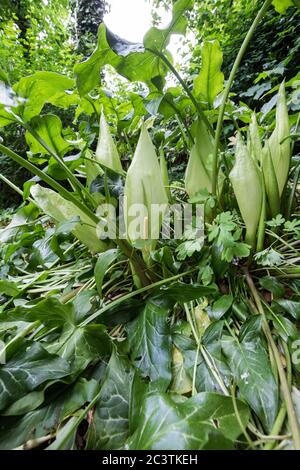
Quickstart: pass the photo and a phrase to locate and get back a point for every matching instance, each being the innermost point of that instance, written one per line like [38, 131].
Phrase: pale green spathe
[143, 189]
[61, 210]
[247, 185]
[198, 175]
[107, 153]
[254, 142]
[279, 142]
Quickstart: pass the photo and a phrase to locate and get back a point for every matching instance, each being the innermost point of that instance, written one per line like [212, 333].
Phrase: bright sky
[130, 19]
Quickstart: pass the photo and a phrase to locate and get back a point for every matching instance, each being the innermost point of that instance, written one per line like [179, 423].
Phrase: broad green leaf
[210, 81]
[49, 128]
[109, 428]
[168, 425]
[50, 312]
[253, 374]
[103, 262]
[39, 89]
[20, 218]
[27, 370]
[158, 39]
[87, 73]
[134, 61]
[150, 344]
[62, 210]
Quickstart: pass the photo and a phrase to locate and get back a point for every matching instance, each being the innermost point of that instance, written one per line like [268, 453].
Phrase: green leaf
[282, 5]
[109, 428]
[15, 431]
[181, 292]
[220, 307]
[253, 374]
[39, 89]
[136, 62]
[87, 73]
[27, 371]
[158, 39]
[150, 344]
[210, 81]
[49, 128]
[61, 314]
[9, 288]
[82, 345]
[167, 425]
[273, 285]
[290, 306]
[103, 262]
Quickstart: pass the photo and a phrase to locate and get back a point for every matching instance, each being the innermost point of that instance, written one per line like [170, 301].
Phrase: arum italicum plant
[277, 155]
[247, 184]
[145, 194]
[106, 152]
[198, 176]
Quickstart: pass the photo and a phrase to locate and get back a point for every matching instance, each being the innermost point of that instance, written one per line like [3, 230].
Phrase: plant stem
[50, 181]
[11, 185]
[186, 88]
[234, 70]
[133, 294]
[75, 181]
[277, 426]
[283, 380]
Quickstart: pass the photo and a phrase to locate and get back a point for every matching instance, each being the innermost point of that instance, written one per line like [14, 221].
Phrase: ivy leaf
[210, 81]
[167, 425]
[110, 428]
[253, 374]
[27, 371]
[150, 344]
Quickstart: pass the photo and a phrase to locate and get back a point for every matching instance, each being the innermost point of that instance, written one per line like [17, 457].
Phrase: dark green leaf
[109, 428]
[252, 372]
[150, 344]
[168, 425]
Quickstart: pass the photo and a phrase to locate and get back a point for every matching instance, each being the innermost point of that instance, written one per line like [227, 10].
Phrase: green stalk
[118, 301]
[186, 89]
[11, 185]
[75, 181]
[282, 377]
[227, 91]
[50, 181]
[277, 427]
